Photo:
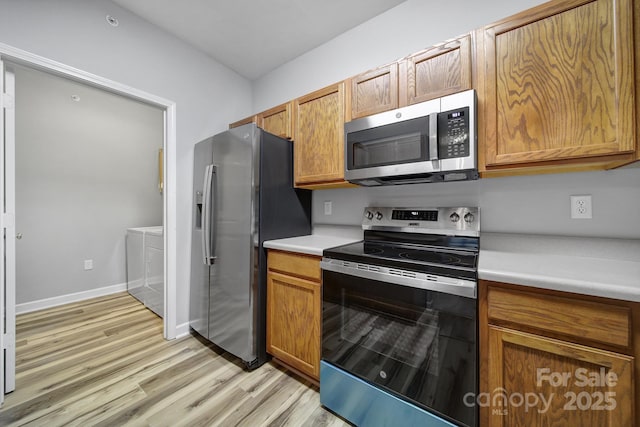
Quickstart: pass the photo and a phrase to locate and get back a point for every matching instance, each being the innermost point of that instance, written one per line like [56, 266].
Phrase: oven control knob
[378, 216]
[454, 217]
[469, 217]
[369, 215]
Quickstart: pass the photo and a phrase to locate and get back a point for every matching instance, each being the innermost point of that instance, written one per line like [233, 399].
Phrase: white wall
[535, 204]
[208, 95]
[85, 172]
[527, 204]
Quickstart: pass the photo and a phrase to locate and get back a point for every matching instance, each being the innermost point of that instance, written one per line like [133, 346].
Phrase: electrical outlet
[581, 207]
[328, 206]
[88, 264]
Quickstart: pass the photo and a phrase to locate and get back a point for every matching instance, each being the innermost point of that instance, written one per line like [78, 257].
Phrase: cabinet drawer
[295, 264]
[568, 317]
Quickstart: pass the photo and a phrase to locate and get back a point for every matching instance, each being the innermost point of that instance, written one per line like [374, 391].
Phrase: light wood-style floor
[104, 362]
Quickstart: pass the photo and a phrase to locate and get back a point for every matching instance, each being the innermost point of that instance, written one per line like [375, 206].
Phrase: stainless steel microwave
[428, 142]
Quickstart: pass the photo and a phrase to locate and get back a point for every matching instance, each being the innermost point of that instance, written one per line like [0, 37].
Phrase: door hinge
[8, 102]
[8, 341]
[7, 220]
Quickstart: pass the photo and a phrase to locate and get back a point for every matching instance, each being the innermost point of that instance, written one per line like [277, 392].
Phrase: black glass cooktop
[446, 255]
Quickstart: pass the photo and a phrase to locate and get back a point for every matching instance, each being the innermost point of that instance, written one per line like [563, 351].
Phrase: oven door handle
[428, 282]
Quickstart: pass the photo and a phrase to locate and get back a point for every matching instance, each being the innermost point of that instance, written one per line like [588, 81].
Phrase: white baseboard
[27, 307]
[182, 330]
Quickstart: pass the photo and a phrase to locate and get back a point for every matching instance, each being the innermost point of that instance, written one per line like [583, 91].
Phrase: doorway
[22, 58]
[86, 171]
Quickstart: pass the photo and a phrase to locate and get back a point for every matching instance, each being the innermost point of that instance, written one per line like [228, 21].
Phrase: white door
[7, 219]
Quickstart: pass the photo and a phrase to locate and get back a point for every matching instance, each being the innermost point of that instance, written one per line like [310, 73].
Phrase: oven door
[417, 344]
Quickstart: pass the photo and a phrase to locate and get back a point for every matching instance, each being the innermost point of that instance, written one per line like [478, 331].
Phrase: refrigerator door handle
[207, 202]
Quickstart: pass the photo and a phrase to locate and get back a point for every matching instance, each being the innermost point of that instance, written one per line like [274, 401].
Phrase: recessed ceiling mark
[113, 21]
[75, 98]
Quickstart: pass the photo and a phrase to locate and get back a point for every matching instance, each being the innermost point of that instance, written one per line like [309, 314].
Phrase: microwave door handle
[433, 136]
[207, 204]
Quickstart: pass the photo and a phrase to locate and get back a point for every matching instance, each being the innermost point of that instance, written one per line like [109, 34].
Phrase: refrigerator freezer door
[234, 214]
[199, 287]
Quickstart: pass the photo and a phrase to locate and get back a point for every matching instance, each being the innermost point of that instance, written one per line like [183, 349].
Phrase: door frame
[8, 202]
[14, 55]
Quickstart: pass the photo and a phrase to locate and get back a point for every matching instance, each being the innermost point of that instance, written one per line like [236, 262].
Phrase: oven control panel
[460, 221]
[414, 215]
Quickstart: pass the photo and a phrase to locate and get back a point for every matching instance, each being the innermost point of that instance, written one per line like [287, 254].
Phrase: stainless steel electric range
[399, 335]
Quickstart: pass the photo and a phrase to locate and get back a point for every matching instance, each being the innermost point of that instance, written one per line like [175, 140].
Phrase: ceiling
[253, 37]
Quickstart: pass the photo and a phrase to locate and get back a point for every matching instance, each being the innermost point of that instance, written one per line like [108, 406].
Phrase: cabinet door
[374, 91]
[537, 381]
[277, 120]
[319, 136]
[441, 70]
[293, 322]
[559, 83]
[250, 119]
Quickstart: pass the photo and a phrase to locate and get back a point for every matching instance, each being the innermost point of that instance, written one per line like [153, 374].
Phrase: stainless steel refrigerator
[243, 195]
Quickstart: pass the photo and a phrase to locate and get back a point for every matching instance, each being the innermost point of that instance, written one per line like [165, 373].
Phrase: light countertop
[601, 267]
[592, 266]
[312, 244]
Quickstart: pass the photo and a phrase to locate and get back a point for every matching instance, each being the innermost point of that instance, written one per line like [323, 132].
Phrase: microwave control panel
[453, 133]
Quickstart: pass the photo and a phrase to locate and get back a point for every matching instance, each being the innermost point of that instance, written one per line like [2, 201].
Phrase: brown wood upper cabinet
[246, 120]
[434, 72]
[374, 91]
[557, 87]
[277, 120]
[438, 71]
[319, 138]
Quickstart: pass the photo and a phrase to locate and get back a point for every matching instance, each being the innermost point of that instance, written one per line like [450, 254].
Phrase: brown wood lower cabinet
[293, 311]
[539, 381]
[536, 371]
